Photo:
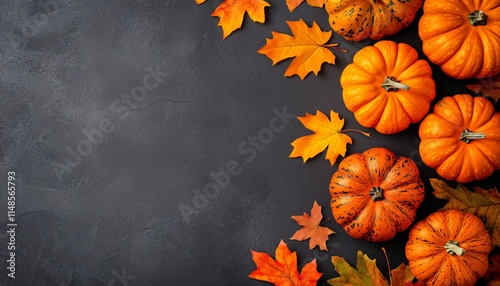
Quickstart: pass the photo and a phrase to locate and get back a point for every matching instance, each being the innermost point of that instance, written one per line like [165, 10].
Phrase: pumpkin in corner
[448, 248]
[462, 36]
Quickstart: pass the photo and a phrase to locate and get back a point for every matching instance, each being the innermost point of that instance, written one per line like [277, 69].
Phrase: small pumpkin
[356, 20]
[375, 194]
[448, 248]
[388, 87]
[461, 138]
[462, 36]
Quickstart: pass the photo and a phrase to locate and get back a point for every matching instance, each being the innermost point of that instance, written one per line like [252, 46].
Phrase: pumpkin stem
[477, 18]
[452, 248]
[467, 136]
[391, 84]
[376, 193]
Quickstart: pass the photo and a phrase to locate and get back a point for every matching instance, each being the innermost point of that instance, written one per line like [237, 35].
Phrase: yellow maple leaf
[487, 87]
[292, 4]
[231, 13]
[483, 203]
[327, 133]
[307, 46]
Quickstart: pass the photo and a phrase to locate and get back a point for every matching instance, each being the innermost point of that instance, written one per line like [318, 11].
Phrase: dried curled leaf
[231, 13]
[366, 272]
[483, 203]
[402, 276]
[487, 87]
[283, 271]
[327, 133]
[493, 274]
[317, 235]
[307, 46]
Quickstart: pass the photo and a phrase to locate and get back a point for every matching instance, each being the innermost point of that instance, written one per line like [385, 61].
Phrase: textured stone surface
[111, 215]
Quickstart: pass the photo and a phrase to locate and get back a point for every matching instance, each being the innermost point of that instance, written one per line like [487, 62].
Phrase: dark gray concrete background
[111, 215]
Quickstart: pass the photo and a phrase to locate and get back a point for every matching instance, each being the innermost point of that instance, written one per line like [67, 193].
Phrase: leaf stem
[388, 266]
[355, 130]
[325, 221]
[334, 46]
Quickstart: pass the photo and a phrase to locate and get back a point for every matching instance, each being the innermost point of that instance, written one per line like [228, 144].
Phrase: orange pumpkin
[388, 87]
[461, 138]
[448, 248]
[376, 194]
[462, 36]
[356, 20]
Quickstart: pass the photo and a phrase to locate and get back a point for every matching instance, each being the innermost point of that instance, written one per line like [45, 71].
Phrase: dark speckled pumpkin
[356, 20]
[376, 194]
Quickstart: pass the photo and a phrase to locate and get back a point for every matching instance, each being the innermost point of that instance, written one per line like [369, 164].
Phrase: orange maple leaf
[200, 1]
[317, 235]
[307, 46]
[292, 4]
[231, 13]
[487, 87]
[326, 134]
[283, 271]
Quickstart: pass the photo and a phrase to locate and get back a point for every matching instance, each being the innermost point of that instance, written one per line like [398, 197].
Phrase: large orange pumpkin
[376, 194]
[461, 138]
[387, 86]
[356, 20]
[448, 248]
[462, 36]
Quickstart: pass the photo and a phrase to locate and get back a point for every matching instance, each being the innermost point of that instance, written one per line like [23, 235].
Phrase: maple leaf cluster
[308, 45]
[283, 270]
